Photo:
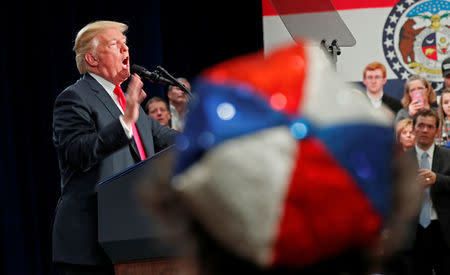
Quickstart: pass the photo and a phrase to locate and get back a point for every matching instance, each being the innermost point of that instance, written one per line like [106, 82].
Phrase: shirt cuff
[127, 130]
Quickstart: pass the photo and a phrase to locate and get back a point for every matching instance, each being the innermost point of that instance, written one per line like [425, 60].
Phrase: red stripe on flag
[363, 4]
[285, 7]
[325, 213]
[268, 9]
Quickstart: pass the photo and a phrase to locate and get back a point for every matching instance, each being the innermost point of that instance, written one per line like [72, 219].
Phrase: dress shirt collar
[430, 152]
[109, 88]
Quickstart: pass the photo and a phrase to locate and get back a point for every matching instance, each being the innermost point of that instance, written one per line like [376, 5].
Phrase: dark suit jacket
[394, 104]
[91, 146]
[440, 191]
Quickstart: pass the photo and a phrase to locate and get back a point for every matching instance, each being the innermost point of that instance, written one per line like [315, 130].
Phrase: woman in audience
[404, 134]
[444, 117]
[418, 95]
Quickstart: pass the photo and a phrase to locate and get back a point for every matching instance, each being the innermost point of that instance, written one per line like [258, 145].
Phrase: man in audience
[374, 78]
[431, 247]
[178, 101]
[446, 72]
[159, 110]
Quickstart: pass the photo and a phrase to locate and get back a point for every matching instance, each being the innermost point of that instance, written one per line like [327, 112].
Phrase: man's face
[158, 110]
[374, 81]
[447, 81]
[112, 56]
[176, 95]
[425, 131]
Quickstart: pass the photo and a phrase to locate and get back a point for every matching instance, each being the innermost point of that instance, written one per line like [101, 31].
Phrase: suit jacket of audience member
[440, 190]
[92, 145]
[393, 103]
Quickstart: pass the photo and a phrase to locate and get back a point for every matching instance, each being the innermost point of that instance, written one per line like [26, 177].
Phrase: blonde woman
[405, 136]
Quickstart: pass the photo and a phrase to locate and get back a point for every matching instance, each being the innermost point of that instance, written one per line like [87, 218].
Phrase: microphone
[154, 77]
[174, 81]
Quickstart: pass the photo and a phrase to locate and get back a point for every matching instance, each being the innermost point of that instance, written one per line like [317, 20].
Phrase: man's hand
[426, 177]
[134, 96]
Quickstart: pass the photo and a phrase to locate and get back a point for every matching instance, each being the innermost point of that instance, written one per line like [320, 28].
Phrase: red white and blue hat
[282, 162]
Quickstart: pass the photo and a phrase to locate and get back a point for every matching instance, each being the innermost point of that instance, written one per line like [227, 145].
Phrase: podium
[130, 236]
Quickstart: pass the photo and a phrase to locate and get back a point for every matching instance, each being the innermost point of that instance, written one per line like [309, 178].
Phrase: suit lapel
[103, 96]
[436, 159]
[110, 105]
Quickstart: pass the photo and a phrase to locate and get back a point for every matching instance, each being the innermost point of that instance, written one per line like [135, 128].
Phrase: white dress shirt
[109, 87]
[376, 102]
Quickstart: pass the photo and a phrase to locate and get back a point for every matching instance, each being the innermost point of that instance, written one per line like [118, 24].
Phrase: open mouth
[125, 62]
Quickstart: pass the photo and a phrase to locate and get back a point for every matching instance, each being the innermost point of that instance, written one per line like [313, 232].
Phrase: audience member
[430, 253]
[445, 66]
[418, 94]
[178, 101]
[97, 132]
[405, 137]
[374, 77]
[444, 116]
[159, 110]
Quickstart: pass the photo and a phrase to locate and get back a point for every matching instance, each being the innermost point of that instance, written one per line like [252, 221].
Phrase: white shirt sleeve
[127, 130]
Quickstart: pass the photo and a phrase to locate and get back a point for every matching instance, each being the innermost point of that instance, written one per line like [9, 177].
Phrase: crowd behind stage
[422, 126]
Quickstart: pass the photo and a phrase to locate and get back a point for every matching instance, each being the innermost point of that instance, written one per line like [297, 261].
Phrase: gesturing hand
[134, 96]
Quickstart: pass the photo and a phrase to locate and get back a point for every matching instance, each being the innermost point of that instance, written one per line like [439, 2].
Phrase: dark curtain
[37, 63]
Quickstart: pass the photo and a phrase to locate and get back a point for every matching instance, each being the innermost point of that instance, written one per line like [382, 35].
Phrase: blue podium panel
[125, 231]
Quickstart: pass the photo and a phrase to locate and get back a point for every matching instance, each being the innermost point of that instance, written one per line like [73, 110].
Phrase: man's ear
[91, 59]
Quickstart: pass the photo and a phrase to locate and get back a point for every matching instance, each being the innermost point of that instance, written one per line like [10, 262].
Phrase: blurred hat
[282, 162]
[446, 67]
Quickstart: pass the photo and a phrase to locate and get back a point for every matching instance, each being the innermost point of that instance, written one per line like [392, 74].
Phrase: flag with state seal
[281, 161]
[407, 36]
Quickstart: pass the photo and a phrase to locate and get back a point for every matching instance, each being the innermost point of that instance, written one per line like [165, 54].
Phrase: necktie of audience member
[122, 101]
[425, 219]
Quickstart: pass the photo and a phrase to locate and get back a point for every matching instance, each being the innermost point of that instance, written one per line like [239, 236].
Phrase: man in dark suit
[374, 78]
[431, 247]
[97, 133]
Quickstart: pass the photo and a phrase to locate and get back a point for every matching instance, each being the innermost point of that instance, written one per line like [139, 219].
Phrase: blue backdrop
[37, 63]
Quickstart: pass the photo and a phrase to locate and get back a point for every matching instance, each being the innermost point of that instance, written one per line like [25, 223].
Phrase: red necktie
[123, 102]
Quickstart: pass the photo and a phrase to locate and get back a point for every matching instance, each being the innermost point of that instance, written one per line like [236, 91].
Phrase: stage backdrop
[407, 36]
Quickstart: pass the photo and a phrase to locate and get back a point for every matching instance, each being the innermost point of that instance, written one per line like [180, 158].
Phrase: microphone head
[139, 70]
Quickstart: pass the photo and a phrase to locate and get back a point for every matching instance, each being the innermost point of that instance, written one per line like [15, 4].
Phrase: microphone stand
[177, 83]
[332, 50]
